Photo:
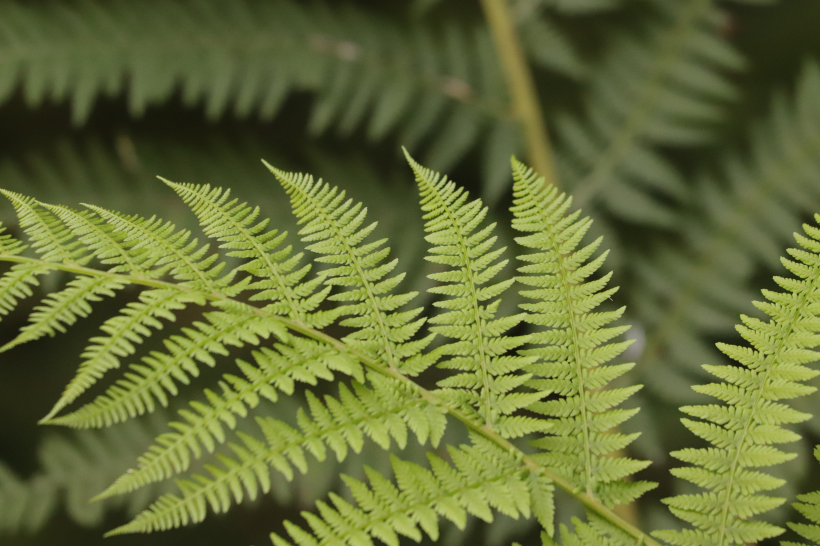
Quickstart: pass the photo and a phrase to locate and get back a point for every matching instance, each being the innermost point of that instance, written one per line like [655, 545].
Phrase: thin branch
[526, 107]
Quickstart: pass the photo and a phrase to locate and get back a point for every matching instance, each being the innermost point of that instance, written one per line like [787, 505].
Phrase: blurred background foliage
[689, 129]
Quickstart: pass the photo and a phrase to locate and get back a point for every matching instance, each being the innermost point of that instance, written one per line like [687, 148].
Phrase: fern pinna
[502, 386]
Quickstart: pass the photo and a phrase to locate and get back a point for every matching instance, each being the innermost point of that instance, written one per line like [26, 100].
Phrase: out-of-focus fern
[249, 56]
[666, 87]
[71, 470]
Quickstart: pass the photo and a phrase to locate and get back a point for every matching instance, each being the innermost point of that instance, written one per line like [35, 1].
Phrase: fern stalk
[521, 87]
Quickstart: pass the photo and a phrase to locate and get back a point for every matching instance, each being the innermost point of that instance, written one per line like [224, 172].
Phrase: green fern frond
[383, 413]
[751, 420]
[484, 478]
[202, 430]
[666, 87]
[233, 225]
[809, 507]
[333, 229]
[571, 362]
[595, 532]
[488, 378]
[156, 378]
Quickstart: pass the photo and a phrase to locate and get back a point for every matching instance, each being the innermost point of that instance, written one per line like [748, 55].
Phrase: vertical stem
[521, 87]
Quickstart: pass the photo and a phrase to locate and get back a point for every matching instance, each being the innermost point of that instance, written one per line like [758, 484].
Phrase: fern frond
[234, 226]
[752, 419]
[667, 87]
[333, 229]
[157, 376]
[303, 360]
[488, 375]
[809, 507]
[382, 413]
[484, 478]
[123, 332]
[573, 357]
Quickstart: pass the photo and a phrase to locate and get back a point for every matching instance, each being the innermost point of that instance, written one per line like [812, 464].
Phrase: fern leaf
[488, 376]
[303, 360]
[50, 237]
[340, 424]
[62, 309]
[483, 478]
[155, 378]
[234, 226]
[333, 227]
[573, 353]
[123, 332]
[745, 428]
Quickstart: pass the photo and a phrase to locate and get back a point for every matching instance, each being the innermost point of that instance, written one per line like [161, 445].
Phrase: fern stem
[483, 430]
[521, 87]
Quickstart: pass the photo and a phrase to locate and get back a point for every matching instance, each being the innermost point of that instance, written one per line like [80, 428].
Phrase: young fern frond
[809, 507]
[752, 419]
[573, 352]
[488, 374]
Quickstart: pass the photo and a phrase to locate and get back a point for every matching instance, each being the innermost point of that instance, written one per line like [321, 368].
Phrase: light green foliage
[571, 360]
[268, 296]
[488, 378]
[809, 507]
[751, 420]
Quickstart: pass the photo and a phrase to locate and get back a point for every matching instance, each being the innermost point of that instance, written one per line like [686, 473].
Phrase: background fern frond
[666, 87]
[752, 419]
[572, 360]
[482, 479]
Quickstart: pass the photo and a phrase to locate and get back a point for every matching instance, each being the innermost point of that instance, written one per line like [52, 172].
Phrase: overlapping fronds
[487, 381]
[342, 424]
[752, 418]
[666, 87]
[573, 353]
[809, 507]
[202, 430]
[335, 229]
[481, 479]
